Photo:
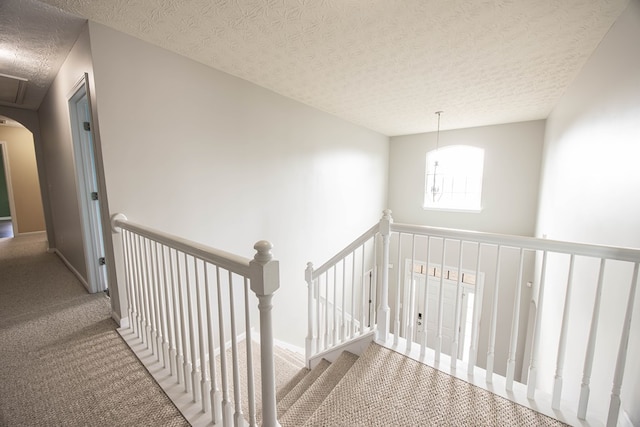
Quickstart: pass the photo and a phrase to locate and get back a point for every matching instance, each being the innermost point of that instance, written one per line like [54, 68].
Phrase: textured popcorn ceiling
[35, 38]
[385, 64]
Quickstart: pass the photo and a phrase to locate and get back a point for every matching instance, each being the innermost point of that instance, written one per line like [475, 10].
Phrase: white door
[89, 198]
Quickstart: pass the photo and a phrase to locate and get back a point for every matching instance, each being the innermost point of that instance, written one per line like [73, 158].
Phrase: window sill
[459, 210]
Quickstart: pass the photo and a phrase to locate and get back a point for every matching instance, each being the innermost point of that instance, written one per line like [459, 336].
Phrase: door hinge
[102, 261]
[94, 195]
[86, 126]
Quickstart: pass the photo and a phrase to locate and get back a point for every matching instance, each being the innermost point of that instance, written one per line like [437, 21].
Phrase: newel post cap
[114, 222]
[264, 270]
[385, 222]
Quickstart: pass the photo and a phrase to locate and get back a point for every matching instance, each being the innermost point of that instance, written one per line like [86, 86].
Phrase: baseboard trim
[122, 322]
[72, 269]
[5, 218]
[31, 233]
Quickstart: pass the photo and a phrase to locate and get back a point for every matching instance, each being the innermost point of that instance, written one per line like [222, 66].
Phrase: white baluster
[383, 309]
[148, 268]
[155, 274]
[513, 344]
[227, 406]
[425, 301]
[412, 295]
[133, 312]
[494, 320]
[614, 406]
[352, 332]
[310, 342]
[440, 305]
[343, 326]
[168, 289]
[318, 322]
[336, 326]
[144, 292]
[249, 342]
[235, 366]
[327, 333]
[396, 331]
[184, 356]
[264, 282]
[477, 310]
[363, 323]
[533, 369]
[456, 320]
[165, 312]
[204, 385]
[591, 345]
[193, 351]
[557, 385]
[178, 320]
[214, 392]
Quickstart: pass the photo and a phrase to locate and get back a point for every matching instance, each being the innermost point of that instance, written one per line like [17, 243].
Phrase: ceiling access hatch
[12, 89]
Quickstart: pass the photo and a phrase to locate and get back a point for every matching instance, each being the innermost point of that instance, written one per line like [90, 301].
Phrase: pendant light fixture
[436, 188]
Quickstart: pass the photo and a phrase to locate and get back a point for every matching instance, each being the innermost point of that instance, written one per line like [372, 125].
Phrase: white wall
[199, 153]
[589, 193]
[510, 185]
[57, 151]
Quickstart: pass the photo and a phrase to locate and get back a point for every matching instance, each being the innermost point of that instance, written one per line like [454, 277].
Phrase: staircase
[385, 388]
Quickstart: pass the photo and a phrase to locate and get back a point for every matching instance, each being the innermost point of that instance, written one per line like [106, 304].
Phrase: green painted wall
[4, 194]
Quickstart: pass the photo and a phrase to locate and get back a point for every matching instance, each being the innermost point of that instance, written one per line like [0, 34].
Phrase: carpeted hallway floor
[62, 363]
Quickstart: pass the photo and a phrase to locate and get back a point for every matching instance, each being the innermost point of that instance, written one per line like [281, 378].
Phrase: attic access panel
[12, 89]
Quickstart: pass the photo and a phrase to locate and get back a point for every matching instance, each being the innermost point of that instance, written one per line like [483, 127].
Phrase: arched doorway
[21, 210]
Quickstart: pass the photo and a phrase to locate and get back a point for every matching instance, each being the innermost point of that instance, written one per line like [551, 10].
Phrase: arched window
[454, 178]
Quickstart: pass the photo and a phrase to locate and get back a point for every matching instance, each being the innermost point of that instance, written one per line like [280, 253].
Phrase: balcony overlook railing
[183, 305]
[441, 289]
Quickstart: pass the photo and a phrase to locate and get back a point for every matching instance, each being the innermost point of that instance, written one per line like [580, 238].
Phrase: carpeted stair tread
[286, 388]
[384, 388]
[302, 386]
[307, 404]
[286, 367]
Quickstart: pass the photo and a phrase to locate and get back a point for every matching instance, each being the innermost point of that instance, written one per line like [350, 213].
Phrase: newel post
[383, 308]
[310, 343]
[265, 280]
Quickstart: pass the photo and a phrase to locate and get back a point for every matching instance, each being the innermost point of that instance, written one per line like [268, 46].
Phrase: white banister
[383, 309]
[172, 308]
[562, 344]
[591, 345]
[493, 252]
[264, 283]
[614, 406]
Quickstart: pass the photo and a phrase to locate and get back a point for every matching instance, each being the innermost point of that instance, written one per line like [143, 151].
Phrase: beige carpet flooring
[62, 363]
[384, 388]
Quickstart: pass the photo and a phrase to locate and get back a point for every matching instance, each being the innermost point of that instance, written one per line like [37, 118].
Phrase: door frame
[7, 172]
[87, 183]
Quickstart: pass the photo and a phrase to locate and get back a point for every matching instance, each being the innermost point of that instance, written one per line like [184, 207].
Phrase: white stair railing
[183, 303]
[443, 259]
